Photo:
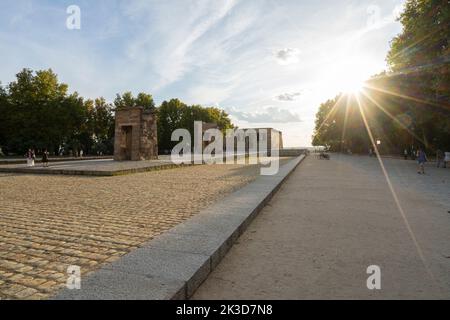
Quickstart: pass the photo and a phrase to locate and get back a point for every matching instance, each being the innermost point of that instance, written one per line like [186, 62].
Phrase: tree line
[37, 111]
[407, 106]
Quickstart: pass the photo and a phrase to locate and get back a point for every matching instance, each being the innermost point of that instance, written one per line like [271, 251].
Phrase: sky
[268, 63]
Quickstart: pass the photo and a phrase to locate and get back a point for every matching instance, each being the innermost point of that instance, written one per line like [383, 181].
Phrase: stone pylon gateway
[135, 135]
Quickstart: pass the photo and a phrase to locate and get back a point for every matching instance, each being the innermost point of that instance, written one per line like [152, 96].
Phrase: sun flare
[353, 75]
[348, 75]
[352, 85]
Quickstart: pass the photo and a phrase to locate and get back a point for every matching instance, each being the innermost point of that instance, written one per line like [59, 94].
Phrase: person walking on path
[30, 157]
[421, 159]
[405, 154]
[45, 158]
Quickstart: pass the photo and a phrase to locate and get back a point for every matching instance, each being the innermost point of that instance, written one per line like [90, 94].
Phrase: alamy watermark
[374, 280]
[251, 146]
[74, 278]
[73, 21]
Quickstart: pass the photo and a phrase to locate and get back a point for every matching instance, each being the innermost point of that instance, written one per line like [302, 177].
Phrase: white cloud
[178, 35]
[288, 97]
[267, 115]
[287, 56]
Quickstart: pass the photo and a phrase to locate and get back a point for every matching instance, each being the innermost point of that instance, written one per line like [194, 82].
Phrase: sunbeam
[378, 105]
[394, 195]
[408, 97]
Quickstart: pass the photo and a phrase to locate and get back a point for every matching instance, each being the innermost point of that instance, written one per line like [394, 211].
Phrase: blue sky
[269, 63]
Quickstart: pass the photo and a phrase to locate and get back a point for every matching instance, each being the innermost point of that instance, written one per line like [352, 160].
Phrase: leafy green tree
[175, 114]
[4, 106]
[41, 114]
[145, 100]
[127, 100]
[36, 111]
[419, 60]
[170, 118]
[103, 123]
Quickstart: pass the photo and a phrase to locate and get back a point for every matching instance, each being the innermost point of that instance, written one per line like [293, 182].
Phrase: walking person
[30, 157]
[421, 159]
[33, 157]
[45, 158]
[405, 154]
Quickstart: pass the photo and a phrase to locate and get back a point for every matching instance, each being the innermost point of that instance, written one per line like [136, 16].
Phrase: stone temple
[135, 135]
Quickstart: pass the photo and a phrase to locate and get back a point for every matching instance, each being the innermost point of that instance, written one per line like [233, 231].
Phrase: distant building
[271, 138]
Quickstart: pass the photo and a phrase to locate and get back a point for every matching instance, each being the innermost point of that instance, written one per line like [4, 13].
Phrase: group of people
[31, 157]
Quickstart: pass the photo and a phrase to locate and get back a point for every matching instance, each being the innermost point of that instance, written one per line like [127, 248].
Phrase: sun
[353, 75]
[346, 74]
[352, 85]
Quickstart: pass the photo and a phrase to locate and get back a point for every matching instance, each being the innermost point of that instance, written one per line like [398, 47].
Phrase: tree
[37, 112]
[145, 100]
[409, 104]
[4, 106]
[175, 114]
[103, 123]
[170, 118]
[40, 114]
[127, 100]
[421, 68]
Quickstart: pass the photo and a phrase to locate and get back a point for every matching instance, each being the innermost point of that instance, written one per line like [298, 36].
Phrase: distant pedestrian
[45, 158]
[370, 152]
[405, 154]
[30, 157]
[81, 153]
[421, 159]
[440, 158]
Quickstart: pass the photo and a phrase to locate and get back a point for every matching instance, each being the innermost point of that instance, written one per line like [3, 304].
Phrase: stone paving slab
[189, 251]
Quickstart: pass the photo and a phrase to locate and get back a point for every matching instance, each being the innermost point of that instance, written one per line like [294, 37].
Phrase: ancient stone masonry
[135, 135]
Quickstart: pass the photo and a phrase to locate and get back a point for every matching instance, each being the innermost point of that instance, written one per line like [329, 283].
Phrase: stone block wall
[135, 135]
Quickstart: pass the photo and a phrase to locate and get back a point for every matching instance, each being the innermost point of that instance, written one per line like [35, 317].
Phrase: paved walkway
[333, 219]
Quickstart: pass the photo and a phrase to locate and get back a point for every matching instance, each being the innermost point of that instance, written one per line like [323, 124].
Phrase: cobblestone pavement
[50, 222]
